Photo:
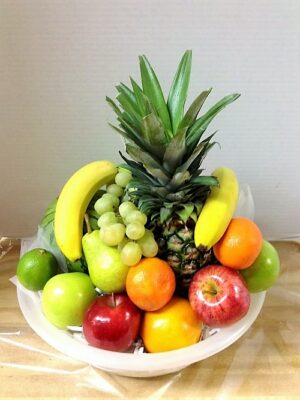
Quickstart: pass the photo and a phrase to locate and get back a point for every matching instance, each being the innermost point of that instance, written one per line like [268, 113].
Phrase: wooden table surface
[264, 363]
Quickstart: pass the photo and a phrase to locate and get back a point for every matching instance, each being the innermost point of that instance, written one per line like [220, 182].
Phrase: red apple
[218, 295]
[112, 322]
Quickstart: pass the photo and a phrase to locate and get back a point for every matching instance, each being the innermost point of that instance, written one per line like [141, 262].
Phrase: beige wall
[60, 58]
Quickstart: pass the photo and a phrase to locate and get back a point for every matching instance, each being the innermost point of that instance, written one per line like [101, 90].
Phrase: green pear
[106, 269]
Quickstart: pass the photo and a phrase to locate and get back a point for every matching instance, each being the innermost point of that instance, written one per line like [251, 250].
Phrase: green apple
[263, 273]
[106, 269]
[66, 297]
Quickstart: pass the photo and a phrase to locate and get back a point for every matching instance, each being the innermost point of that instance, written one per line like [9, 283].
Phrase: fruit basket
[146, 267]
[130, 364]
[135, 363]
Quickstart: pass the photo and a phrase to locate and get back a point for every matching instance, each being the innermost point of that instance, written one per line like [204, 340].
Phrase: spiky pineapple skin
[176, 245]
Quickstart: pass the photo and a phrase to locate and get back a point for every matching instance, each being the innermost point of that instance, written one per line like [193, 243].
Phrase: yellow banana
[218, 209]
[73, 202]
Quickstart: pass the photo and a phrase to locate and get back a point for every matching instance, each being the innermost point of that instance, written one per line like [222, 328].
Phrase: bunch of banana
[218, 209]
[73, 202]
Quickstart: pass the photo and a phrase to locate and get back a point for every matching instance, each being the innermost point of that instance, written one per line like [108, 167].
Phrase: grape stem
[87, 221]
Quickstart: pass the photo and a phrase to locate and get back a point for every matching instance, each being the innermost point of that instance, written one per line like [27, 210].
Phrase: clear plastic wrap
[264, 362]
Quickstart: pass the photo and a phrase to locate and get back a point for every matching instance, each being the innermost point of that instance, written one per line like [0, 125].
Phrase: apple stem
[210, 291]
[113, 300]
[87, 221]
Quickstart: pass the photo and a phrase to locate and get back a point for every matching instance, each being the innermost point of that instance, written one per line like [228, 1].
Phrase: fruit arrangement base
[264, 362]
[137, 364]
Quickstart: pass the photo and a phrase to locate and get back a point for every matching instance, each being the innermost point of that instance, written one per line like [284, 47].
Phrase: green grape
[123, 178]
[103, 205]
[135, 230]
[114, 199]
[131, 253]
[125, 208]
[148, 233]
[123, 243]
[112, 235]
[148, 246]
[115, 189]
[136, 216]
[107, 218]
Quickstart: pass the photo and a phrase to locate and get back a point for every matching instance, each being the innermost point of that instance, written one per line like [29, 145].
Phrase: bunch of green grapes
[122, 224]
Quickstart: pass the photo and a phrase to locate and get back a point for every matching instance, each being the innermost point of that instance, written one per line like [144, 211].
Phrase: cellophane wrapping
[264, 362]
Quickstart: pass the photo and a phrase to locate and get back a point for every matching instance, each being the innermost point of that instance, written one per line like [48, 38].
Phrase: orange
[172, 327]
[240, 245]
[150, 284]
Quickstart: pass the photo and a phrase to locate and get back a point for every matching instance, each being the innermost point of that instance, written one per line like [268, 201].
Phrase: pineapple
[166, 149]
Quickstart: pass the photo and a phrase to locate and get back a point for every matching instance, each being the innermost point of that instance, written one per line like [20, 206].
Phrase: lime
[35, 268]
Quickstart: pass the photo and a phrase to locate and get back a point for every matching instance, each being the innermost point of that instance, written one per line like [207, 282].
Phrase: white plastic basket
[133, 364]
[137, 364]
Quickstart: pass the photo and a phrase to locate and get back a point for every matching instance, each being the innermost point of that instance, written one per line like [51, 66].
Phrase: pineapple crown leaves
[160, 127]
[165, 143]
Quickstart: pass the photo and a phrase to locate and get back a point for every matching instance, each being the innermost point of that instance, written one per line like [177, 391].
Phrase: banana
[73, 202]
[218, 209]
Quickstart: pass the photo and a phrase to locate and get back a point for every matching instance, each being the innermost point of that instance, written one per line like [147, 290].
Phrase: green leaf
[128, 102]
[134, 135]
[205, 180]
[200, 158]
[137, 170]
[151, 111]
[129, 109]
[127, 137]
[113, 106]
[154, 131]
[151, 124]
[175, 151]
[77, 266]
[195, 154]
[129, 119]
[47, 220]
[120, 131]
[122, 116]
[185, 212]
[199, 126]
[92, 213]
[49, 214]
[94, 223]
[146, 207]
[198, 206]
[165, 214]
[149, 205]
[149, 197]
[149, 162]
[179, 90]
[152, 89]
[194, 109]
[179, 179]
[177, 197]
[192, 141]
[129, 94]
[140, 97]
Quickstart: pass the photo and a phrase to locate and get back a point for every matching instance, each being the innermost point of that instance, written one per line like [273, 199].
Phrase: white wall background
[60, 58]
